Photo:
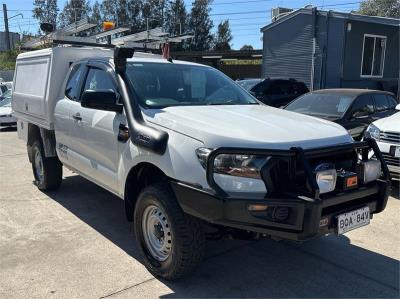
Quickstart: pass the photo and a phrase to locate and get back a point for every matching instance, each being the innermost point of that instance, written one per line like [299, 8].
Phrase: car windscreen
[161, 85]
[6, 102]
[323, 105]
[249, 84]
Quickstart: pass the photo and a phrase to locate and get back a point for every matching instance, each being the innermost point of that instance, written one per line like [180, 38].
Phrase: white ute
[187, 148]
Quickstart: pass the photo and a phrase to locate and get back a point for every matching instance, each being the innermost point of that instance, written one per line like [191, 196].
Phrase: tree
[200, 25]
[153, 12]
[247, 48]
[73, 11]
[176, 18]
[45, 11]
[96, 17]
[223, 37]
[382, 8]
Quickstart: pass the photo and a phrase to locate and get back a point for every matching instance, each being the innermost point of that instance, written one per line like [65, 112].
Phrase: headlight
[236, 173]
[370, 170]
[326, 177]
[373, 132]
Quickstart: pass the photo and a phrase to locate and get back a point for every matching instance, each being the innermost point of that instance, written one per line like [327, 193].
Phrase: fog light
[280, 214]
[370, 170]
[326, 177]
[257, 207]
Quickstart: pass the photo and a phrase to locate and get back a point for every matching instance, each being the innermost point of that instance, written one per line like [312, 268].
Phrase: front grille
[390, 137]
[391, 160]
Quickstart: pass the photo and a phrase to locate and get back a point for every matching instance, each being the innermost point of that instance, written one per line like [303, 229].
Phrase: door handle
[77, 116]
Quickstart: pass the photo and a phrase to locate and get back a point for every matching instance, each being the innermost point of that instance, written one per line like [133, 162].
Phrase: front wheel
[171, 242]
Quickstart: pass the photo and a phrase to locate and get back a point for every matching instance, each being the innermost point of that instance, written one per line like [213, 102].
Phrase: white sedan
[386, 132]
[6, 117]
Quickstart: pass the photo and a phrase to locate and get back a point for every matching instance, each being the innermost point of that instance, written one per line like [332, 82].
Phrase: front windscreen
[249, 84]
[167, 84]
[324, 105]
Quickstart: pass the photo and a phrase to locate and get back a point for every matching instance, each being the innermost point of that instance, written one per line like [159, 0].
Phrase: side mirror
[398, 107]
[101, 100]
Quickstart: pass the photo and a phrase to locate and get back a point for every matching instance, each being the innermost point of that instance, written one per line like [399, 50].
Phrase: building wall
[353, 57]
[334, 45]
[287, 49]
[14, 39]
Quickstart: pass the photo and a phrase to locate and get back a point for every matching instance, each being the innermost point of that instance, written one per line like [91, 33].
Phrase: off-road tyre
[188, 237]
[51, 168]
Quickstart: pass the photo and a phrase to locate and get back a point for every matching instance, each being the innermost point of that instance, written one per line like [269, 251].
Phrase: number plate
[352, 220]
[397, 151]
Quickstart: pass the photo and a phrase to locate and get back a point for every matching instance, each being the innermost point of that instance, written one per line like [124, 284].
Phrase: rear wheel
[171, 242]
[47, 171]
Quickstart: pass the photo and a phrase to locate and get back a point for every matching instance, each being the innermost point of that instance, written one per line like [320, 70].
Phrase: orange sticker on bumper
[351, 182]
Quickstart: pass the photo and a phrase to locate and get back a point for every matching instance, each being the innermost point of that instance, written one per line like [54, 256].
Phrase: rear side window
[72, 89]
[384, 102]
[3, 88]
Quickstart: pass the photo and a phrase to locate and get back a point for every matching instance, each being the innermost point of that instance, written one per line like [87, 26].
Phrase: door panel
[95, 132]
[61, 128]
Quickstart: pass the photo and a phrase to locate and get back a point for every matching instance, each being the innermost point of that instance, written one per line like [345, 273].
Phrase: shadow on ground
[395, 189]
[329, 267]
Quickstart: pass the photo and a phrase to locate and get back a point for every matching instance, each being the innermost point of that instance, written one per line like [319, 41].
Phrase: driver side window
[363, 105]
[98, 79]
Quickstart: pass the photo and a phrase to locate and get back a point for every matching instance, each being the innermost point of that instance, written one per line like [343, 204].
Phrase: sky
[246, 17]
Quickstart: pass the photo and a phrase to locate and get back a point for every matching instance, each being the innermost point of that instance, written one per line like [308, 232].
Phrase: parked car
[278, 92]
[6, 117]
[386, 132]
[184, 145]
[354, 109]
[3, 88]
[248, 84]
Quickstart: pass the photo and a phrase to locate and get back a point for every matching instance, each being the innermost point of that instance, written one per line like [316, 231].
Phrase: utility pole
[8, 46]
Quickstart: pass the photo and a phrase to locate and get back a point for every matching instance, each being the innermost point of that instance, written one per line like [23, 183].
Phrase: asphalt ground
[76, 243]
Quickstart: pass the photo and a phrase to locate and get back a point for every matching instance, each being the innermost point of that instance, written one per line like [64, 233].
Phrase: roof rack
[146, 40]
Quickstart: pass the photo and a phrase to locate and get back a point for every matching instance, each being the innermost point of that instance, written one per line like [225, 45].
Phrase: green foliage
[223, 36]
[137, 14]
[74, 10]
[382, 8]
[176, 18]
[7, 60]
[246, 48]
[200, 24]
[45, 11]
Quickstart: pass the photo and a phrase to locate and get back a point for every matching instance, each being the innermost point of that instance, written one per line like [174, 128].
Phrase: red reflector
[351, 181]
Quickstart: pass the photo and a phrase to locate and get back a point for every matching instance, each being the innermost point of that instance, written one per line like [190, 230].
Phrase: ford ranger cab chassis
[185, 146]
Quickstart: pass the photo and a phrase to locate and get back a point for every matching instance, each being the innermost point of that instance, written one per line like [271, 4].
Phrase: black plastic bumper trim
[305, 223]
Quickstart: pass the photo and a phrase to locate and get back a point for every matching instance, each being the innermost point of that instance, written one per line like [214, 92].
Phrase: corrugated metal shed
[289, 54]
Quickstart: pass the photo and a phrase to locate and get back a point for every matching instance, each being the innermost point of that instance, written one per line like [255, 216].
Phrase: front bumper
[308, 217]
[6, 121]
[392, 162]
[307, 212]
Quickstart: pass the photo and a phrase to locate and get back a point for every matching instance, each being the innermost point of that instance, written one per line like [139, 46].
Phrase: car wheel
[47, 171]
[172, 243]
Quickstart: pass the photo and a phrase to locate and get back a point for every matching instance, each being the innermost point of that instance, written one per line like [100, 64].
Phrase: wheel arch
[140, 176]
